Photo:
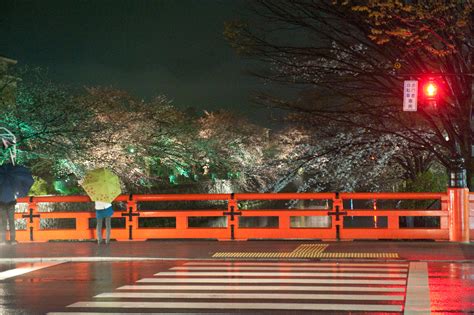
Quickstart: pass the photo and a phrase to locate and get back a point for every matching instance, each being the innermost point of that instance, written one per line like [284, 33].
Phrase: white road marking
[418, 290]
[250, 296]
[26, 268]
[275, 280]
[216, 283]
[243, 306]
[259, 288]
[79, 259]
[115, 313]
[332, 268]
[282, 274]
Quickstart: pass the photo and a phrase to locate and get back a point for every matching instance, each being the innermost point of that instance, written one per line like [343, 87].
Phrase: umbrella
[15, 181]
[101, 185]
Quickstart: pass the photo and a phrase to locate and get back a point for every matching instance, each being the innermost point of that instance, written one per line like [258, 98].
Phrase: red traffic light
[430, 90]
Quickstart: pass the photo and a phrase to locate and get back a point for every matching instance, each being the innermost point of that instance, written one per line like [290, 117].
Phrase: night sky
[147, 47]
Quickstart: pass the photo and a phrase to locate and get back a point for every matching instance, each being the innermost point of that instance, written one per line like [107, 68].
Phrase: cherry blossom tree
[352, 58]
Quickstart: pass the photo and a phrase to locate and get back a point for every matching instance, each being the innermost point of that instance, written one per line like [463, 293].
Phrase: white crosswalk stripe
[273, 280]
[250, 286]
[224, 287]
[298, 264]
[283, 274]
[26, 268]
[242, 306]
[167, 295]
[235, 268]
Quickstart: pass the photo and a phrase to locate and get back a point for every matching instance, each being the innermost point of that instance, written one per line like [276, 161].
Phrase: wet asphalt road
[52, 289]
[185, 277]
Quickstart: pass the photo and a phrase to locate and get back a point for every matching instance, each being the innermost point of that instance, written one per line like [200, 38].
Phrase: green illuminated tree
[46, 120]
[7, 82]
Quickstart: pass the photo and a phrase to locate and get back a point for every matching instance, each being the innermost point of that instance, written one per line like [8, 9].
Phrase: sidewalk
[202, 250]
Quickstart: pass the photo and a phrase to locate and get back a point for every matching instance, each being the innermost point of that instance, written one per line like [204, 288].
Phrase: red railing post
[444, 220]
[338, 208]
[458, 211]
[32, 225]
[232, 207]
[82, 224]
[132, 214]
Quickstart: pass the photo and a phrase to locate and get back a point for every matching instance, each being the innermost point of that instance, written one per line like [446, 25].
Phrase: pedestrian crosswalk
[220, 286]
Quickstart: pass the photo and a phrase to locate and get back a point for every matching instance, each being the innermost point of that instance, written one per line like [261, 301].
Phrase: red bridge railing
[336, 216]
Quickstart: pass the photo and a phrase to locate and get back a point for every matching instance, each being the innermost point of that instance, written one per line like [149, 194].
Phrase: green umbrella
[101, 185]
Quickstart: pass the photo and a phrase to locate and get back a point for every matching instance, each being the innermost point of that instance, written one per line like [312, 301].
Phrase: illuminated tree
[7, 82]
[235, 149]
[334, 159]
[130, 136]
[152, 145]
[351, 59]
[46, 120]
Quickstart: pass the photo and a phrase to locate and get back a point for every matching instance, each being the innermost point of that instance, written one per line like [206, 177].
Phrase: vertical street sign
[410, 95]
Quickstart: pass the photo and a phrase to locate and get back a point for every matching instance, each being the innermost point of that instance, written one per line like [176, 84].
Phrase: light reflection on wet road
[451, 287]
[52, 289]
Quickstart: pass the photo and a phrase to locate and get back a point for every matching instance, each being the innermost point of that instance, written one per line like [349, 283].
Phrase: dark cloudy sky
[148, 47]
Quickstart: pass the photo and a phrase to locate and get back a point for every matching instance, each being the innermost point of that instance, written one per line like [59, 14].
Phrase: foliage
[236, 151]
[325, 159]
[343, 55]
[432, 27]
[428, 181]
[124, 128]
[152, 145]
[62, 133]
[155, 147]
[46, 121]
[39, 188]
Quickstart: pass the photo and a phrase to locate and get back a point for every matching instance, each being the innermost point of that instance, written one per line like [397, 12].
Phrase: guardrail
[338, 216]
[393, 230]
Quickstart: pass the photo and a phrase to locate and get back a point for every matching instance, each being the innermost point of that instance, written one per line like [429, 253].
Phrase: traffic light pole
[458, 193]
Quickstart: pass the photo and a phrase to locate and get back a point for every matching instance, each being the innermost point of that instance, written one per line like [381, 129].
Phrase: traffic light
[430, 90]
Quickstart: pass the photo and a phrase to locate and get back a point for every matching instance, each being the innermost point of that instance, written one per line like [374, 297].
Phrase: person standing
[103, 211]
[103, 186]
[7, 213]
